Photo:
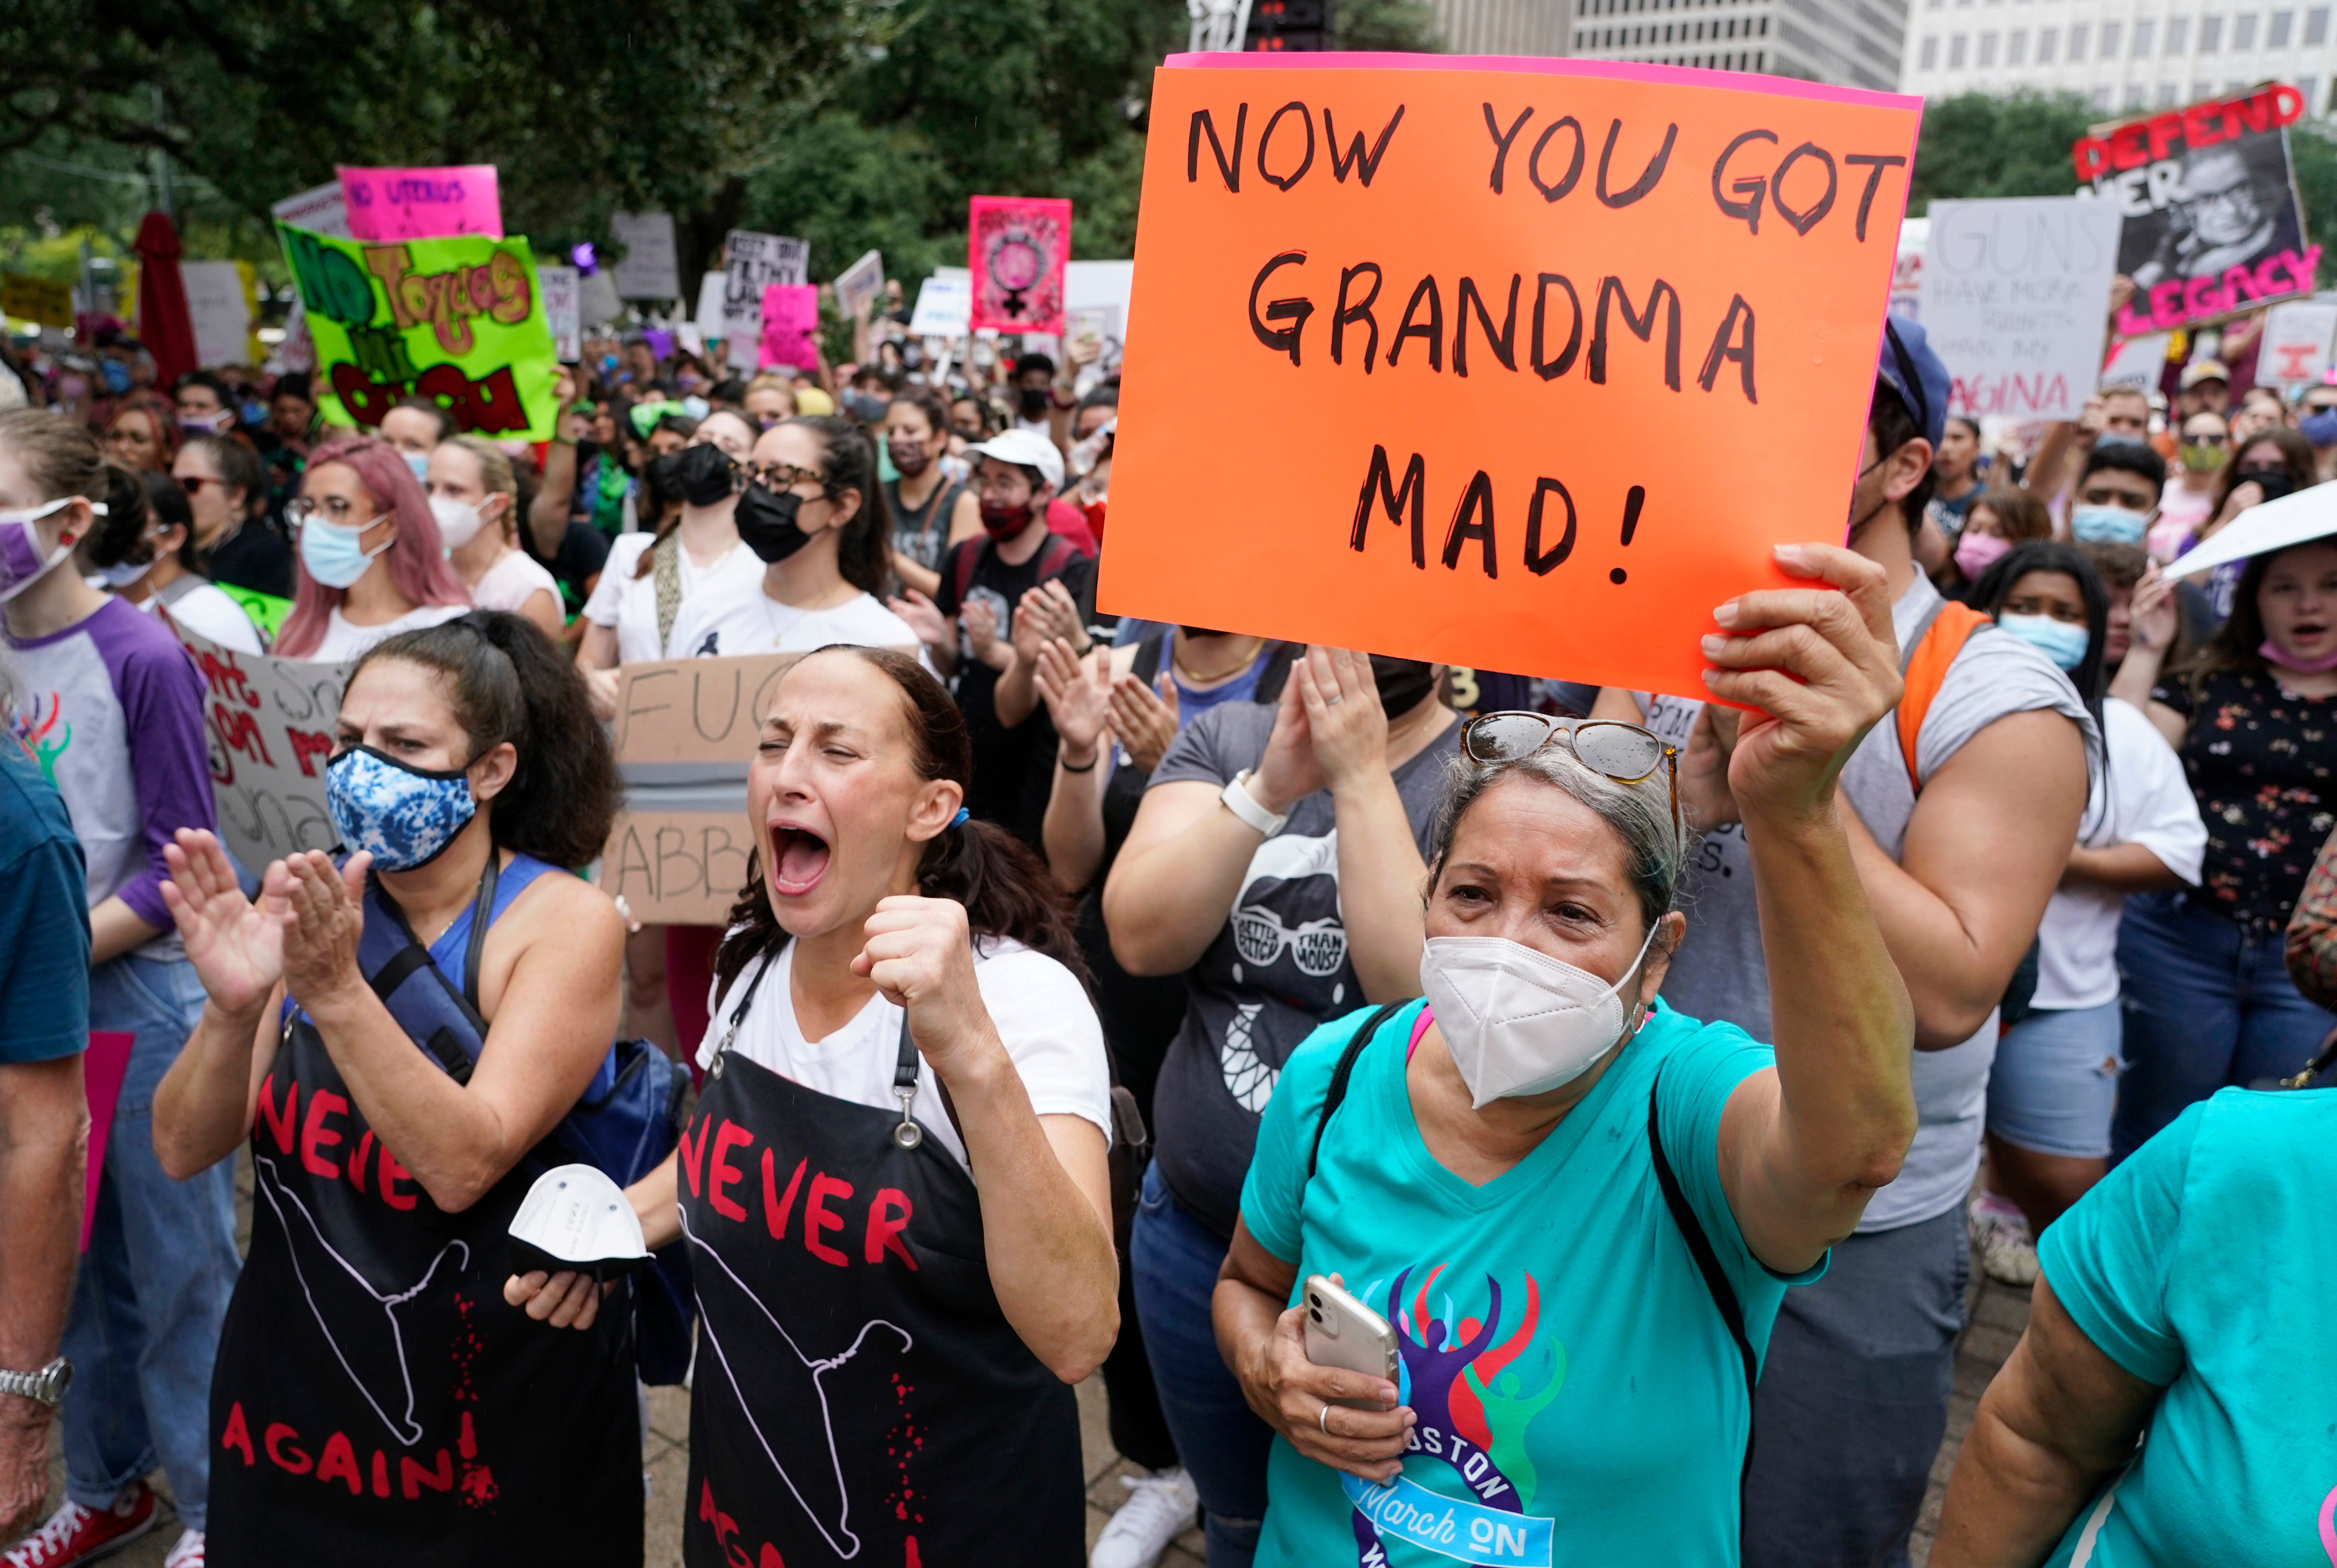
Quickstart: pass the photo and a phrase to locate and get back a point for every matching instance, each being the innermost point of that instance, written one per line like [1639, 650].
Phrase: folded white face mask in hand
[1519, 1022]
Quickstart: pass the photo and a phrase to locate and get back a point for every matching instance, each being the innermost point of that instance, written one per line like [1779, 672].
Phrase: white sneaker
[188, 1553]
[1999, 1233]
[1159, 1509]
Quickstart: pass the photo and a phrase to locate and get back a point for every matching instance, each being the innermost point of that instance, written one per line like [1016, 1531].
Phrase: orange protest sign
[1521, 365]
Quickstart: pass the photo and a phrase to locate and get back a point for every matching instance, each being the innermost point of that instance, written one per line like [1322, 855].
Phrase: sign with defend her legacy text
[1520, 365]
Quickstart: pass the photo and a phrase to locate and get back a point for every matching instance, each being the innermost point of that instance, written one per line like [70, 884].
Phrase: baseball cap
[1027, 449]
[2200, 370]
[1910, 368]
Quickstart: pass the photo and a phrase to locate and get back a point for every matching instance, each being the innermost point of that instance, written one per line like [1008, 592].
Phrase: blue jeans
[1223, 1445]
[154, 1288]
[2208, 1003]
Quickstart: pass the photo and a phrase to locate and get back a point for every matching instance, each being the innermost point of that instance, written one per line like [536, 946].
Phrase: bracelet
[1087, 766]
[1244, 805]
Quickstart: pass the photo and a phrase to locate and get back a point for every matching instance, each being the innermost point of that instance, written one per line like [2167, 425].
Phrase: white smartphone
[1341, 1332]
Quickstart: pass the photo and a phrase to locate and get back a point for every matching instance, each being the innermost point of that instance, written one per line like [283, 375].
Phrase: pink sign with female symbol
[1017, 246]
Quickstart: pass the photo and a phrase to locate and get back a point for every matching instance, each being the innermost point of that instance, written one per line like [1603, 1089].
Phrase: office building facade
[2120, 54]
[1848, 43]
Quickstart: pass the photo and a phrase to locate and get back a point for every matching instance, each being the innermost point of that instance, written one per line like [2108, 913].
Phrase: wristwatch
[1244, 804]
[46, 1386]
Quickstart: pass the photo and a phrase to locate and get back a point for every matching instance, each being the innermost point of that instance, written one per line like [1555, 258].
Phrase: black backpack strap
[1707, 1263]
[483, 912]
[1149, 654]
[1337, 1093]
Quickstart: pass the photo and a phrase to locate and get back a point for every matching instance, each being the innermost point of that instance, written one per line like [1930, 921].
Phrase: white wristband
[1244, 804]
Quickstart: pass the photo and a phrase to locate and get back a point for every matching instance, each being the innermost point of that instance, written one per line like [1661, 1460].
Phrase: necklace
[1194, 677]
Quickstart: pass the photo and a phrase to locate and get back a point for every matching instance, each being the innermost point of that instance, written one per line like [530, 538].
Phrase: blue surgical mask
[2060, 641]
[116, 376]
[2320, 427]
[2107, 524]
[419, 461]
[404, 816]
[336, 556]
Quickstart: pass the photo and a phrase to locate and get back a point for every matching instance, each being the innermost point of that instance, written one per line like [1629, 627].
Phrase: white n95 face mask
[1516, 1021]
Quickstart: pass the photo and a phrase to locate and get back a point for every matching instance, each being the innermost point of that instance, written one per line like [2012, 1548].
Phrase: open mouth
[799, 859]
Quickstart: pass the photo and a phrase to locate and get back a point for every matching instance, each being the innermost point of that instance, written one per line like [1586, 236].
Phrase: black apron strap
[482, 912]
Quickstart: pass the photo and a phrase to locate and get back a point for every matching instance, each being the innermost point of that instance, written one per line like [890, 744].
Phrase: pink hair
[416, 559]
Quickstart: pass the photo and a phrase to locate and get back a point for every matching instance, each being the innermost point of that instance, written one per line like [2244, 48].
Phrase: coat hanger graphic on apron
[377, 1366]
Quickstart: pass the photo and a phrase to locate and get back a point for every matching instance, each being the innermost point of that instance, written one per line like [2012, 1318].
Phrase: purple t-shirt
[83, 694]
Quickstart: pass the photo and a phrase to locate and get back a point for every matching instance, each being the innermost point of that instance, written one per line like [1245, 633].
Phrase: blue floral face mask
[404, 815]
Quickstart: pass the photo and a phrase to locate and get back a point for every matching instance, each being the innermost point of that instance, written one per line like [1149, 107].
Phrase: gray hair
[1640, 814]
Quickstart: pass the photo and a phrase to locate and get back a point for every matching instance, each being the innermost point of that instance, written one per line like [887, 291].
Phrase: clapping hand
[1053, 613]
[1077, 694]
[325, 917]
[2152, 620]
[236, 946]
[1144, 718]
[1344, 719]
[1704, 767]
[924, 618]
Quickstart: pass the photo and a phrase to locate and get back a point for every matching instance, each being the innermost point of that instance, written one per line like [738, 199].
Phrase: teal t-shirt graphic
[1580, 1399]
[2202, 1264]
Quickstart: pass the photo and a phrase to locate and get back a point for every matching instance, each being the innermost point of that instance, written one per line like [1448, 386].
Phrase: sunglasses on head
[1625, 753]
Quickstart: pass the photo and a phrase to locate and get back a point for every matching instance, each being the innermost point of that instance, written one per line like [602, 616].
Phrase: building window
[2281, 22]
[2047, 38]
[2112, 33]
[2016, 46]
[2142, 40]
[2306, 86]
[1931, 54]
[2316, 25]
[1956, 53]
[2167, 93]
[1987, 50]
[2244, 32]
[2101, 98]
[2178, 34]
[2211, 34]
[2077, 44]
[2136, 95]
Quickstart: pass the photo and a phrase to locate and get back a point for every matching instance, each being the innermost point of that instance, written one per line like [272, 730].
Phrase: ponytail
[1007, 890]
[506, 682]
[120, 536]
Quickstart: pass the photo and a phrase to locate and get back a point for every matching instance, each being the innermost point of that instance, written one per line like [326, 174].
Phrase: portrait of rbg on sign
[1477, 304]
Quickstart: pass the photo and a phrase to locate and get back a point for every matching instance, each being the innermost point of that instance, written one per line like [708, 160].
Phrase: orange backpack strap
[1925, 667]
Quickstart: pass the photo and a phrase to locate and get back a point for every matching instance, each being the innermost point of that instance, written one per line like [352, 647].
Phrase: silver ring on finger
[1336, 698]
[1324, 1421]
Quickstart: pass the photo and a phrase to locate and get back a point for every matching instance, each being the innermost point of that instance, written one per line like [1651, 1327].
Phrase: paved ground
[1999, 1314]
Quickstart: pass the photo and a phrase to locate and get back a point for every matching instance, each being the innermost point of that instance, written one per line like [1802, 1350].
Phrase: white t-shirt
[208, 611]
[628, 603]
[344, 642]
[1041, 1011]
[730, 621]
[512, 582]
[2150, 804]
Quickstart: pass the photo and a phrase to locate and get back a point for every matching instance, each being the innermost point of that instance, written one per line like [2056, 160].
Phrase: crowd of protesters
[1100, 993]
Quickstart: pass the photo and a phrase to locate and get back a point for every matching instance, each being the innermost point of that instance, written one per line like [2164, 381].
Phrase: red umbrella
[163, 325]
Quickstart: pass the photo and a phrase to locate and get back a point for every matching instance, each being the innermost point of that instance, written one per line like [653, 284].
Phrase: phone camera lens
[1315, 1314]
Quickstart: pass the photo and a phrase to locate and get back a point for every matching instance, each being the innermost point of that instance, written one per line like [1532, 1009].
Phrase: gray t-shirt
[1718, 973]
[1277, 968]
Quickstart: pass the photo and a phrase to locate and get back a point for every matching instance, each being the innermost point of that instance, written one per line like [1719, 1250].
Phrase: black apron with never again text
[858, 1396]
[375, 1400]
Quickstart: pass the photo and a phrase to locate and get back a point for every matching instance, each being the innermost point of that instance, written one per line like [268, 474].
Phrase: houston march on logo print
[375, 1400]
[859, 1397]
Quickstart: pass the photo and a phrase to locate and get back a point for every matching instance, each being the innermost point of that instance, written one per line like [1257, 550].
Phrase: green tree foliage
[1981, 144]
[2312, 152]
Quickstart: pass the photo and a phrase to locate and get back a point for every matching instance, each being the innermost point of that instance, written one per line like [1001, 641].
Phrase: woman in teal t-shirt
[1577, 1209]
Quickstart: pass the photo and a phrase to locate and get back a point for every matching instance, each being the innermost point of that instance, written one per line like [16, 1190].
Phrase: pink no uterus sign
[387, 204]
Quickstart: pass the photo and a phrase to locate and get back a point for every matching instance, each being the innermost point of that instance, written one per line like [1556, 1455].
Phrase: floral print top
[2259, 760]
[2313, 931]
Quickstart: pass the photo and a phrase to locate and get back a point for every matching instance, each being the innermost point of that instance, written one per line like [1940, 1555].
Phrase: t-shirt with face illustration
[1276, 969]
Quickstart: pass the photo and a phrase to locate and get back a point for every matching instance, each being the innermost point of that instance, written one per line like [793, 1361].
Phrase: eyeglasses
[1622, 751]
[786, 476]
[333, 511]
[2206, 438]
[192, 483]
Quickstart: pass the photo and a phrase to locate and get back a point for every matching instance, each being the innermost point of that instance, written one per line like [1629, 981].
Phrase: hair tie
[959, 820]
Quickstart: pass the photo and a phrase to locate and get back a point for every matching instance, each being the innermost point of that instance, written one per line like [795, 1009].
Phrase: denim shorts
[2055, 1082]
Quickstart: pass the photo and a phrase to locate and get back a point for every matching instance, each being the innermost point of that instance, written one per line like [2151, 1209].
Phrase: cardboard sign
[2213, 227]
[859, 285]
[651, 270]
[1504, 361]
[790, 327]
[269, 724]
[561, 310]
[219, 307]
[393, 204]
[2016, 300]
[685, 731]
[2137, 363]
[458, 320]
[752, 262]
[36, 299]
[1016, 247]
[2296, 342]
[710, 319]
[322, 210]
[944, 305]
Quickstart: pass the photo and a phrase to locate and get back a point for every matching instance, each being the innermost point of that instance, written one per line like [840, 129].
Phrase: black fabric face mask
[1035, 401]
[765, 520]
[2274, 482]
[706, 473]
[1404, 683]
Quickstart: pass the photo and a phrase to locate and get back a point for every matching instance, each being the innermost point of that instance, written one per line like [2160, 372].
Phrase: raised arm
[1078, 694]
[1984, 850]
[1803, 1148]
[204, 1106]
[2056, 1421]
[547, 515]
